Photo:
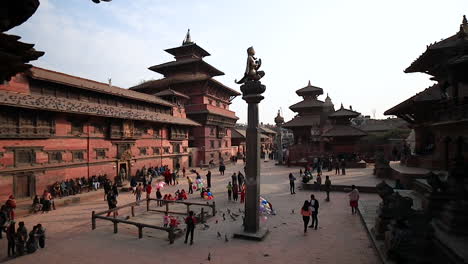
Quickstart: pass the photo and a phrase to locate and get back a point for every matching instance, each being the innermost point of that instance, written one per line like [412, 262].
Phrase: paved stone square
[341, 237]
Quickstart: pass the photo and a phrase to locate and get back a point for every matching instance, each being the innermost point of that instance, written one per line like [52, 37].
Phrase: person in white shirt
[353, 199]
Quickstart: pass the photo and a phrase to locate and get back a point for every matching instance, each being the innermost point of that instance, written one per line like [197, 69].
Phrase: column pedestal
[252, 91]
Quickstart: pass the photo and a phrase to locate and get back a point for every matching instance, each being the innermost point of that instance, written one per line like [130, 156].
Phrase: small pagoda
[319, 130]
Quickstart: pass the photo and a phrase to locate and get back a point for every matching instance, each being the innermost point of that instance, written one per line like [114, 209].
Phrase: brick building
[55, 126]
[207, 101]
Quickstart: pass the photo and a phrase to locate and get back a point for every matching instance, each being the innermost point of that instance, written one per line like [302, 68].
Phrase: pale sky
[355, 50]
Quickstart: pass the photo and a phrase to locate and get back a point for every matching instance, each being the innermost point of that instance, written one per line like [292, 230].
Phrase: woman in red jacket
[190, 221]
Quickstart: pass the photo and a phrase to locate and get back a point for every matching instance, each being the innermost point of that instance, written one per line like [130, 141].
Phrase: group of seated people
[178, 196]
[75, 186]
[151, 171]
[44, 203]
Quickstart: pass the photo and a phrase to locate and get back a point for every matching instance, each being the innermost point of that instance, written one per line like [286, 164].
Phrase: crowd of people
[20, 241]
[236, 187]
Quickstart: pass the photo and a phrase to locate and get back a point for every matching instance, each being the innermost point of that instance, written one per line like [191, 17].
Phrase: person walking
[208, 178]
[112, 203]
[327, 187]
[337, 167]
[183, 172]
[306, 212]
[222, 168]
[234, 179]
[353, 199]
[291, 183]
[190, 185]
[235, 193]
[314, 206]
[159, 197]
[190, 221]
[229, 189]
[149, 189]
[242, 194]
[240, 179]
[133, 184]
[343, 167]
[138, 192]
[319, 182]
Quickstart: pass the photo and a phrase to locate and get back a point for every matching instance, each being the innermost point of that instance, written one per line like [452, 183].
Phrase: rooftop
[343, 131]
[186, 64]
[54, 104]
[342, 112]
[82, 83]
[430, 94]
[303, 121]
[170, 92]
[309, 90]
[306, 104]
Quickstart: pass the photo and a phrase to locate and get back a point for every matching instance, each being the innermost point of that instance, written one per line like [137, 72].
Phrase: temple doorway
[24, 185]
[123, 167]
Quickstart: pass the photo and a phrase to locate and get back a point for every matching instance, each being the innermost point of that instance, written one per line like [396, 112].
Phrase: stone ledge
[258, 236]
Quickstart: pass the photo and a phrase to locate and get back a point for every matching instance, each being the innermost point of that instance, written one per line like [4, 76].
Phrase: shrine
[206, 101]
[319, 130]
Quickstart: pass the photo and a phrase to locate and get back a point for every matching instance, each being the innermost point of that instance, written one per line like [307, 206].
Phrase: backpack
[189, 221]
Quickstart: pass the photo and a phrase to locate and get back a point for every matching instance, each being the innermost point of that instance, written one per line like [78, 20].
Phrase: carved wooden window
[219, 143]
[226, 153]
[212, 155]
[212, 131]
[212, 144]
[175, 147]
[217, 103]
[210, 102]
[156, 151]
[156, 132]
[121, 148]
[166, 149]
[226, 143]
[142, 150]
[99, 128]
[185, 149]
[27, 122]
[55, 156]
[25, 157]
[78, 155]
[100, 153]
[178, 133]
[76, 128]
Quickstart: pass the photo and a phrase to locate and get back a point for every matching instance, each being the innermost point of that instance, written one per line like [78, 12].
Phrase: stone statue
[251, 71]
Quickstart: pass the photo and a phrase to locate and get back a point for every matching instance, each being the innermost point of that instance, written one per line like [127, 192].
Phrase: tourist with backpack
[190, 221]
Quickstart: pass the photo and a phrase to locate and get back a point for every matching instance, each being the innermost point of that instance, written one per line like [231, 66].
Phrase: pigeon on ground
[209, 256]
[205, 226]
[232, 217]
[229, 211]
[224, 217]
[219, 235]
[235, 215]
[225, 238]
[216, 220]
[292, 211]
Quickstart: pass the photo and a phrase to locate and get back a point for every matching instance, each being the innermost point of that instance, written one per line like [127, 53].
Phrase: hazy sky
[355, 50]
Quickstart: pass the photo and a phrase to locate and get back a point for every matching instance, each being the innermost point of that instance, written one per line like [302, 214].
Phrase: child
[353, 199]
[242, 194]
[41, 235]
[173, 222]
[166, 219]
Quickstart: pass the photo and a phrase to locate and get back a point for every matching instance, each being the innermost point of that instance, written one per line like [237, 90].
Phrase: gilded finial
[187, 39]
[342, 106]
[309, 84]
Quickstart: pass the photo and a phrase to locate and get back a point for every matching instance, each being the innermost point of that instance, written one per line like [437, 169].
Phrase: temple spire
[187, 39]
[464, 21]
[309, 84]
[342, 106]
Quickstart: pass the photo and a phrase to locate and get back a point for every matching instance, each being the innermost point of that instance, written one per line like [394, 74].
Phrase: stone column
[252, 91]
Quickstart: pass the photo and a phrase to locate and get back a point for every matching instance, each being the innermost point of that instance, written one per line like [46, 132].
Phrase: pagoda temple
[436, 167]
[319, 130]
[206, 100]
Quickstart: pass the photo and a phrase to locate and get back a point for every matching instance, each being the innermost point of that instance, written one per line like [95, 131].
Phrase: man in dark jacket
[208, 178]
[314, 205]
